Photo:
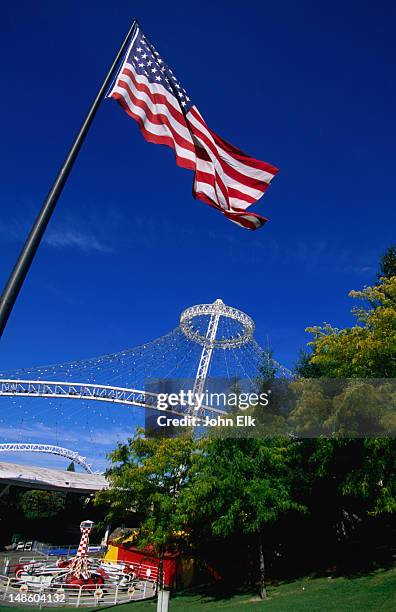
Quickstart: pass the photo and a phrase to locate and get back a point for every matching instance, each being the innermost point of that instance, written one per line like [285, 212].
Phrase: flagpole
[24, 261]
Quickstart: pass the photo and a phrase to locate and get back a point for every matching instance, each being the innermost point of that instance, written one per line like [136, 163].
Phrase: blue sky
[307, 86]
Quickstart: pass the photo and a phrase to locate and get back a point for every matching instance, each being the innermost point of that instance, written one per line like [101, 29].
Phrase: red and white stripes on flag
[225, 177]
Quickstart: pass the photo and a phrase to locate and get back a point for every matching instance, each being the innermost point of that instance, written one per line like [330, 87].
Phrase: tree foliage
[359, 470]
[37, 504]
[366, 350]
[388, 263]
[239, 485]
[147, 478]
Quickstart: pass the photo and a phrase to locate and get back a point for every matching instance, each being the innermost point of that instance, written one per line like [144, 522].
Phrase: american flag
[224, 177]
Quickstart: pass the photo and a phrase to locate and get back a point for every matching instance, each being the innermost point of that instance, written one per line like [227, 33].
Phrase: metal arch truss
[206, 355]
[47, 448]
[48, 388]
[102, 393]
[209, 341]
[217, 309]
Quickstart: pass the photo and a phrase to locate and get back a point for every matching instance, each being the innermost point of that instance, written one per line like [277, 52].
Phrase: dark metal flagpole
[28, 252]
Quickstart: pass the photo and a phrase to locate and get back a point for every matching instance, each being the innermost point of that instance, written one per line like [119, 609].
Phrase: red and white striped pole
[79, 566]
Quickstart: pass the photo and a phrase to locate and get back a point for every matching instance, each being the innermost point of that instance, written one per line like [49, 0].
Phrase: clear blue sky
[307, 86]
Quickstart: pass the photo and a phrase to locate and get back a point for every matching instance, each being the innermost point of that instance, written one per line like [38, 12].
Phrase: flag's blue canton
[148, 62]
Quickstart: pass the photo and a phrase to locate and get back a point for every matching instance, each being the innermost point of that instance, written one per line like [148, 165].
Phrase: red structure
[177, 571]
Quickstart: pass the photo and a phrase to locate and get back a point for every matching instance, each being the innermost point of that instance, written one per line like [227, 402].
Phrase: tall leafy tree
[354, 476]
[388, 263]
[239, 486]
[147, 478]
[366, 350]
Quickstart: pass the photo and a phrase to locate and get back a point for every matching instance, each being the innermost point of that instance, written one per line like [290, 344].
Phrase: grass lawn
[376, 591]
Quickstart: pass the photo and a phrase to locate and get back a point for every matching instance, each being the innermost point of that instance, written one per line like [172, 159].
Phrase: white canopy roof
[45, 478]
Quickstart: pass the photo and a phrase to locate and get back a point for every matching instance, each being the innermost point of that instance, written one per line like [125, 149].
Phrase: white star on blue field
[148, 62]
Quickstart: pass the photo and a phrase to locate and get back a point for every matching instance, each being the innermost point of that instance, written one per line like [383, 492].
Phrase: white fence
[13, 593]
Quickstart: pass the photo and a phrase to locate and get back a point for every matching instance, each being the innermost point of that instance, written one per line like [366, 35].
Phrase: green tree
[346, 474]
[71, 467]
[304, 368]
[267, 367]
[345, 408]
[366, 350]
[388, 263]
[147, 478]
[239, 486]
[347, 477]
[37, 504]
[190, 491]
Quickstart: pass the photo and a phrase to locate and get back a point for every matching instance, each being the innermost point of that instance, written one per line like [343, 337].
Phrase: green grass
[376, 592]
